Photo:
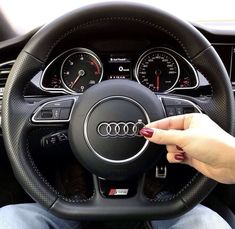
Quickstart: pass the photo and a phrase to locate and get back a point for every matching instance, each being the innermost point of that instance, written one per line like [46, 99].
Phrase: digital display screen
[119, 68]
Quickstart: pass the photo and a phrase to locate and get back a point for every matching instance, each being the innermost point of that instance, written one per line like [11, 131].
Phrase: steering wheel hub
[115, 122]
[107, 127]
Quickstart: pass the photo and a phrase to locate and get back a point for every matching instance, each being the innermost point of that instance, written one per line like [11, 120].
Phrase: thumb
[163, 137]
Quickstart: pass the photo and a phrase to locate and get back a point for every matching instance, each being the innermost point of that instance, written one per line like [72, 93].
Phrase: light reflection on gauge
[81, 70]
[158, 70]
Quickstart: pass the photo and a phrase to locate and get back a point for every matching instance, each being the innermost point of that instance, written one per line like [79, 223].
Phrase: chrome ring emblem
[120, 129]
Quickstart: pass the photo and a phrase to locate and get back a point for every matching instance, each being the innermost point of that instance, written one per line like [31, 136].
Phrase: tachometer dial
[80, 70]
[157, 70]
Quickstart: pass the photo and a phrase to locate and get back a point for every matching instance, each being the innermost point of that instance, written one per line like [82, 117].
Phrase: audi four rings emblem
[120, 129]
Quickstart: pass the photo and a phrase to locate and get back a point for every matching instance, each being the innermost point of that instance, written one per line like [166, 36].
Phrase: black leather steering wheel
[97, 153]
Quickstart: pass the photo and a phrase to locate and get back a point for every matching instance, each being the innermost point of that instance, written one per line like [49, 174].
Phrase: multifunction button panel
[174, 106]
[55, 111]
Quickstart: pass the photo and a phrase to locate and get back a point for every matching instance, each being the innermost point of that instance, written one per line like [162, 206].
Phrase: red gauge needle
[157, 82]
[80, 73]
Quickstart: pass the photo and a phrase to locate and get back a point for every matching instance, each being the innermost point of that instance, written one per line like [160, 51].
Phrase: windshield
[26, 15]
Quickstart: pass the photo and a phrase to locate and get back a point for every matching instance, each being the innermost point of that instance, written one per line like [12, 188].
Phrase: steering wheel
[105, 120]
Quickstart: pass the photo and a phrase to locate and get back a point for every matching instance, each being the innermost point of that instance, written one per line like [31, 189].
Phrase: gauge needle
[157, 82]
[80, 73]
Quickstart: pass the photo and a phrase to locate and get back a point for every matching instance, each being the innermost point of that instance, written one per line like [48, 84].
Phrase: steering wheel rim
[16, 114]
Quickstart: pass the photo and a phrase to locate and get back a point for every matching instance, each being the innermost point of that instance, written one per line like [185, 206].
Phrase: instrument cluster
[160, 69]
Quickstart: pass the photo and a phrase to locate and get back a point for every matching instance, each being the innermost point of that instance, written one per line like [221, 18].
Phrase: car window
[26, 15]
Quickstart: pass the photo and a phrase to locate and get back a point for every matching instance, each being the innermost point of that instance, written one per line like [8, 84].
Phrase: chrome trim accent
[4, 72]
[120, 129]
[80, 50]
[54, 90]
[51, 120]
[167, 50]
[10, 62]
[193, 69]
[225, 44]
[87, 138]
[161, 172]
[63, 90]
[7, 62]
[148, 52]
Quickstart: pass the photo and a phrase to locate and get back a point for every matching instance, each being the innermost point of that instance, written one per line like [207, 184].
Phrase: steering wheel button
[56, 113]
[179, 110]
[64, 113]
[45, 114]
[67, 103]
[174, 102]
[62, 136]
[170, 111]
[188, 110]
[60, 104]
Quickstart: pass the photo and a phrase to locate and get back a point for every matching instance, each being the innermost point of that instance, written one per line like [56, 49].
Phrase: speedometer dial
[80, 70]
[158, 70]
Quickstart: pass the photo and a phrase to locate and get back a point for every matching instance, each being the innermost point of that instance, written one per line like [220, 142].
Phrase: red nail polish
[146, 132]
[179, 156]
[179, 148]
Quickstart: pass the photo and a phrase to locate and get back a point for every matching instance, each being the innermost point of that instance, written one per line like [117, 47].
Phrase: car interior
[74, 95]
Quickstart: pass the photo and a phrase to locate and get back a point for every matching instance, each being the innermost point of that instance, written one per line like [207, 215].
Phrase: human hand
[196, 140]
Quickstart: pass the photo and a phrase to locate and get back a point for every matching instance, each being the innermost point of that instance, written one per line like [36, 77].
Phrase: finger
[170, 148]
[179, 122]
[164, 137]
[184, 159]
[175, 157]
[205, 169]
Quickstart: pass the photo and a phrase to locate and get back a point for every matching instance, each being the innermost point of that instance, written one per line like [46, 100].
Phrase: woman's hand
[194, 139]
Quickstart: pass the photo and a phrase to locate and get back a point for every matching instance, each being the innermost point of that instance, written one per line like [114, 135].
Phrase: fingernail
[179, 148]
[146, 132]
[179, 156]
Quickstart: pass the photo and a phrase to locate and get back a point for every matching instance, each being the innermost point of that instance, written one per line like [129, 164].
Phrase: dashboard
[151, 59]
[160, 69]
